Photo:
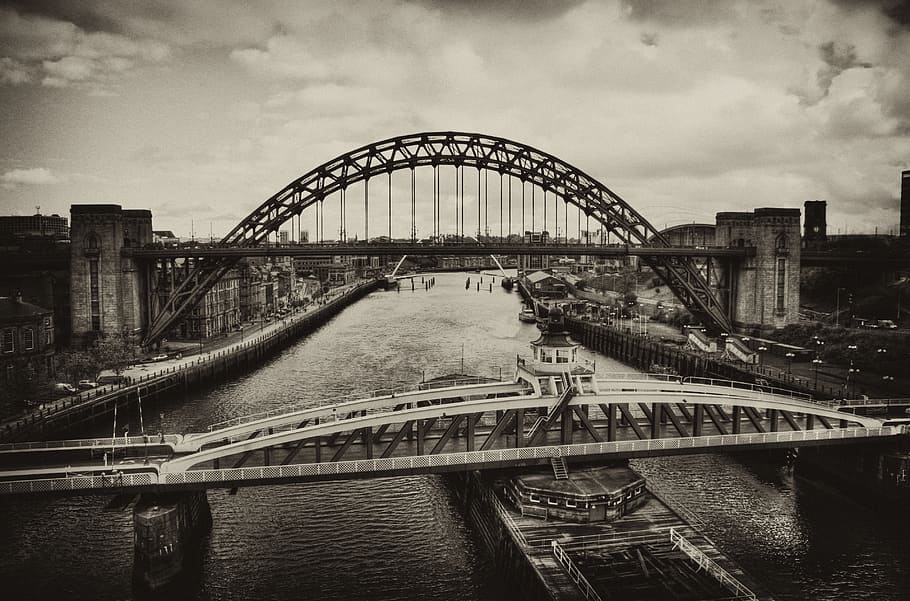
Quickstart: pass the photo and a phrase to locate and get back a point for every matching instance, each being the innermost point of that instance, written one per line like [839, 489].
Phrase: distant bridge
[436, 250]
[448, 426]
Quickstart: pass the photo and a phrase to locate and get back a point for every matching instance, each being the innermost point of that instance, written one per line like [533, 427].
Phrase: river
[404, 538]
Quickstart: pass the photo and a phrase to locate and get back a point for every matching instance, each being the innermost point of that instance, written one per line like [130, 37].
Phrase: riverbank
[148, 381]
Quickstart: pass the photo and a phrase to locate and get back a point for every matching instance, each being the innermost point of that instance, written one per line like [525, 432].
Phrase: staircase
[555, 409]
[560, 471]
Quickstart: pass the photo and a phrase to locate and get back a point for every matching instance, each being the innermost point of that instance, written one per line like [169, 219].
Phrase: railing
[120, 442]
[111, 482]
[325, 405]
[473, 459]
[498, 456]
[574, 573]
[865, 403]
[711, 567]
[747, 386]
[603, 540]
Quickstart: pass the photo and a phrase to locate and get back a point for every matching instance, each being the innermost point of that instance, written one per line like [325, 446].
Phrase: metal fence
[574, 573]
[711, 567]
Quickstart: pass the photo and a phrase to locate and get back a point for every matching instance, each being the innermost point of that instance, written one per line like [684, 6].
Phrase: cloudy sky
[201, 110]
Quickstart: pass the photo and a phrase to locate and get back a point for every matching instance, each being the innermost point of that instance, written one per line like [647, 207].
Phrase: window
[6, 341]
[533, 498]
[562, 356]
[781, 284]
[544, 356]
[781, 242]
[28, 339]
[95, 289]
[92, 243]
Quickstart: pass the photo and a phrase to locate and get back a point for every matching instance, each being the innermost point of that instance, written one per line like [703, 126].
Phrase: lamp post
[837, 307]
[761, 356]
[789, 357]
[851, 371]
[817, 362]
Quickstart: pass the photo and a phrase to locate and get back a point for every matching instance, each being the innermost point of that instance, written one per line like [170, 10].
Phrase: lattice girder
[461, 150]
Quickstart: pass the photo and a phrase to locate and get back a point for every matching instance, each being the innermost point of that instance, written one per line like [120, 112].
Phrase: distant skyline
[199, 111]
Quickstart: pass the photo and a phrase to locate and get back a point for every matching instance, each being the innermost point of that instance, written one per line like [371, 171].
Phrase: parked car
[161, 357]
[111, 379]
[87, 384]
[65, 388]
[887, 324]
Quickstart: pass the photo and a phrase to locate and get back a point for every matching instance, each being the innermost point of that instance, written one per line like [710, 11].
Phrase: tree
[115, 352]
[112, 351]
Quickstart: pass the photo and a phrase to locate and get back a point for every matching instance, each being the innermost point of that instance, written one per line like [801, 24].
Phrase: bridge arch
[459, 149]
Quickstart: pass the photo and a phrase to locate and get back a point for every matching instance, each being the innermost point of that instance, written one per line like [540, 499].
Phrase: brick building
[26, 338]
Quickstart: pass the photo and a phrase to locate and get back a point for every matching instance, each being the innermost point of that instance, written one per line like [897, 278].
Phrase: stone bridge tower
[107, 289]
[764, 288]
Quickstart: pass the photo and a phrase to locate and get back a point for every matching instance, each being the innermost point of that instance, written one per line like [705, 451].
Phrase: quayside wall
[216, 367]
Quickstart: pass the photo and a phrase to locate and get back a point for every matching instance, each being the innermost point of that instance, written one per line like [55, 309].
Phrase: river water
[404, 538]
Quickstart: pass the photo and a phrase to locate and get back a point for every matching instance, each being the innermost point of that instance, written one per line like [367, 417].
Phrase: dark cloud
[524, 10]
[91, 16]
[649, 39]
[897, 10]
[679, 12]
[838, 57]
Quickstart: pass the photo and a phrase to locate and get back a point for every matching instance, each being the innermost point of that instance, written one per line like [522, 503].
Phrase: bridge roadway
[808, 257]
[454, 426]
[435, 250]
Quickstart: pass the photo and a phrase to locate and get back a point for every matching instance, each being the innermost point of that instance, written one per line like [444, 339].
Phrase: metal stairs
[555, 409]
[560, 471]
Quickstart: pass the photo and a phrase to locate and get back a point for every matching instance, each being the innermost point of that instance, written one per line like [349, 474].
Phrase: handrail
[747, 386]
[711, 567]
[228, 477]
[327, 404]
[574, 573]
[837, 403]
[119, 442]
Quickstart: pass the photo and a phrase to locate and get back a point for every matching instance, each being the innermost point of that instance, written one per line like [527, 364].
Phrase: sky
[201, 110]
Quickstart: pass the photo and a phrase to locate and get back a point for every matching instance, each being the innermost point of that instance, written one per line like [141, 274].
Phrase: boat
[527, 315]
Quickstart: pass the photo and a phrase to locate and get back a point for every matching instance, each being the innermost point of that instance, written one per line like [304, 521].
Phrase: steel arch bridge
[434, 149]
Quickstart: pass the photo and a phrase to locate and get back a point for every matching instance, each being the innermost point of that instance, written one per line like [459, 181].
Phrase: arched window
[781, 242]
[92, 242]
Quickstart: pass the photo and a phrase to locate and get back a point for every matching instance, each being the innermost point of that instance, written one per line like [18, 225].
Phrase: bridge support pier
[167, 531]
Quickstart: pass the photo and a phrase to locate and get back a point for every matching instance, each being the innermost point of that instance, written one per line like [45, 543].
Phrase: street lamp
[852, 377]
[817, 362]
[789, 357]
[761, 356]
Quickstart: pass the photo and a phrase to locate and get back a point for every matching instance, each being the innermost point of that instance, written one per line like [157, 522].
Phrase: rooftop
[12, 307]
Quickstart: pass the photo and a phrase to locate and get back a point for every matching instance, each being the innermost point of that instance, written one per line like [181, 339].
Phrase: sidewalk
[144, 371]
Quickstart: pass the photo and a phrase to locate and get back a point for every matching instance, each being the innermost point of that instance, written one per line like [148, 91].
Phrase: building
[815, 228]
[541, 283]
[165, 237]
[905, 203]
[284, 237]
[107, 291]
[26, 340]
[217, 313]
[14, 227]
[764, 294]
[534, 262]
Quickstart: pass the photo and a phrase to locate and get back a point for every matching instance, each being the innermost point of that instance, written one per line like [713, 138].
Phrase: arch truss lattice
[434, 149]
